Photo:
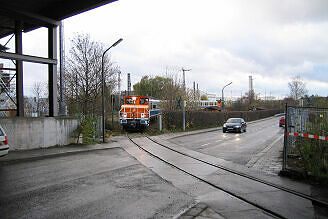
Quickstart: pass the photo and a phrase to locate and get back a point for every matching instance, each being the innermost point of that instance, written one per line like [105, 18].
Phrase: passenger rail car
[203, 104]
[137, 111]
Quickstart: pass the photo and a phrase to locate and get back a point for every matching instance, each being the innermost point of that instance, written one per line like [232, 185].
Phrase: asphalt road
[114, 183]
[98, 184]
[239, 148]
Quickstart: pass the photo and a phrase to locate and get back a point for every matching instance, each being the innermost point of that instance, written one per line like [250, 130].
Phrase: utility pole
[194, 96]
[197, 92]
[151, 87]
[183, 101]
[112, 100]
[119, 88]
[129, 84]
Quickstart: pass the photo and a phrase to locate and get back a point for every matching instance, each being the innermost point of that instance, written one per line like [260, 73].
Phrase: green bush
[87, 128]
[314, 152]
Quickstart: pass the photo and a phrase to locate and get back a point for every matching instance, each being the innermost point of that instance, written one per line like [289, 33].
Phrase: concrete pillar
[52, 71]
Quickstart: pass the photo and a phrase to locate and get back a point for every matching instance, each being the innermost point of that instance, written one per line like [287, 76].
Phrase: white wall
[30, 133]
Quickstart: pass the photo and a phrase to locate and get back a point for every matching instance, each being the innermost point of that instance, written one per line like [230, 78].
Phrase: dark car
[234, 125]
[282, 121]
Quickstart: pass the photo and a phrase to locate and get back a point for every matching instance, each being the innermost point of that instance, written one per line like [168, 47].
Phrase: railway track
[314, 201]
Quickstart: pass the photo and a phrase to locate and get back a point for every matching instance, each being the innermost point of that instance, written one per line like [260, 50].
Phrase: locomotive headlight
[142, 115]
[124, 115]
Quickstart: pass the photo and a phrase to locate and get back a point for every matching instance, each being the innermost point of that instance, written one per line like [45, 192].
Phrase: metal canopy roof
[41, 13]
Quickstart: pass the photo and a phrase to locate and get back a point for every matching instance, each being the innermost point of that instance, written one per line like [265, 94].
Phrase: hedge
[206, 119]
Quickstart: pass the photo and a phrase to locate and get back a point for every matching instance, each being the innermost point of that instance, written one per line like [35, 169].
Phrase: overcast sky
[221, 41]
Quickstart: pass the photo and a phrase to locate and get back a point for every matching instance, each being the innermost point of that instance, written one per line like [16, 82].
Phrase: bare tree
[39, 90]
[172, 91]
[297, 88]
[83, 76]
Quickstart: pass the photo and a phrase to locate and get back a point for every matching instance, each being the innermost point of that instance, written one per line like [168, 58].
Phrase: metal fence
[306, 140]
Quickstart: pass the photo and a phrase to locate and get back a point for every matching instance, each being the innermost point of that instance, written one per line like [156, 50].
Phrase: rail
[299, 194]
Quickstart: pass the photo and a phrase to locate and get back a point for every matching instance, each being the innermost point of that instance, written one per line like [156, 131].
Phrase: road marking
[205, 144]
[219, 140]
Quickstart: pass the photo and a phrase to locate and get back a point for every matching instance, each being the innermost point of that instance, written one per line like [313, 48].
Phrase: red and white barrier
[308, 136]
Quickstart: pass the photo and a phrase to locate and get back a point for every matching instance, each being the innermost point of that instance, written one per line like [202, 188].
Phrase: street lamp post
[103, 87]
[222, 95]
[183, 101]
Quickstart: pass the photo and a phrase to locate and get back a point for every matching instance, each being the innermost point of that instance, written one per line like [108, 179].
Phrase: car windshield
[234, 121]
[1, 133]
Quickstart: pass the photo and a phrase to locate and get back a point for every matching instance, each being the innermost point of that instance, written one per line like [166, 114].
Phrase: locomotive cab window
[129, 101]
[143, 101]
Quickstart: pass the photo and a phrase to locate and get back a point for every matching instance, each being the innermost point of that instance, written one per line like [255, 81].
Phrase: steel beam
[19, 69]
[8, 69]
[52, 71]
[27, 58]
[62, 107]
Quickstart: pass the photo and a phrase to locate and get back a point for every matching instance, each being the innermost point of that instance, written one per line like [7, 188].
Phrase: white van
[4, 147]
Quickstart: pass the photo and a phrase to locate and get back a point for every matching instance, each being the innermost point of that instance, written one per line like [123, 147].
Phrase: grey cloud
[289, 10]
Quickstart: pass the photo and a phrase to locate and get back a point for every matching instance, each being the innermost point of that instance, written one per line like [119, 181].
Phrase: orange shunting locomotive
[136, 111]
